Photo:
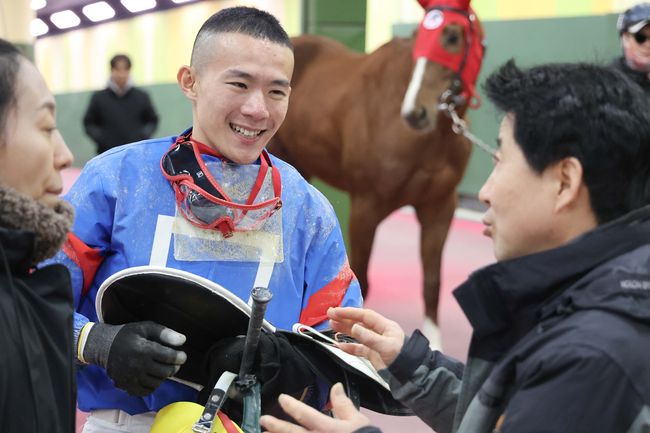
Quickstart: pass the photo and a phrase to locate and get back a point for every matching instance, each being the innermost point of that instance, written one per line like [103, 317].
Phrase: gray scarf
[50, 225]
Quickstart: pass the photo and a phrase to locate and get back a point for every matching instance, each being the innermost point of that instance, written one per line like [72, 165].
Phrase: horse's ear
[460, 4]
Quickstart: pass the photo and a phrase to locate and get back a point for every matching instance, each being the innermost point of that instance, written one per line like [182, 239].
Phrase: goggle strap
[275, 174]
[261, 175]
[211, 180]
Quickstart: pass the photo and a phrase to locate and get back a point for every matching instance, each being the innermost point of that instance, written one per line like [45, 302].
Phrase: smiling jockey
[211, 202]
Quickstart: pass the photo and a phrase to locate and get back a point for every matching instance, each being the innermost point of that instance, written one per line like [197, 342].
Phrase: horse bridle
[459, 126]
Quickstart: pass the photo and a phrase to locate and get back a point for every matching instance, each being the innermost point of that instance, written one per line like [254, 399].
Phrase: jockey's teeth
[245, 132]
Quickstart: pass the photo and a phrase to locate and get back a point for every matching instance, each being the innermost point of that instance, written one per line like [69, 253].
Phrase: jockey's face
[32, 151]
[521, 202]
[239, 95]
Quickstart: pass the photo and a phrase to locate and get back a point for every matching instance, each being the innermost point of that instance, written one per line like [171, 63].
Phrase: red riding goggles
[201, 199]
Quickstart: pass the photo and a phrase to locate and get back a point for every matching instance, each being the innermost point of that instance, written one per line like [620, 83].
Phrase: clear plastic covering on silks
[215, 321]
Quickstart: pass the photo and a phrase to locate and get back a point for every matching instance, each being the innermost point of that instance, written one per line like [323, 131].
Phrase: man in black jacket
[561, 323]
[121, 113]
[633, 26]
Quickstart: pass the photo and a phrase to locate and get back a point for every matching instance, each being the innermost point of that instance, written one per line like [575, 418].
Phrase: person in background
[561, 323]
[210, 201]
[633, 26]
[37, 378]
[120, 113]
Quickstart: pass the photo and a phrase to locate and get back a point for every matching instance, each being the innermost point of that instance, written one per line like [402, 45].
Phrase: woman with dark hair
[37, 380]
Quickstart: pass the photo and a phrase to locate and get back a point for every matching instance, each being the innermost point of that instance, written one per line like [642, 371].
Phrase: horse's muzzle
[418, 118]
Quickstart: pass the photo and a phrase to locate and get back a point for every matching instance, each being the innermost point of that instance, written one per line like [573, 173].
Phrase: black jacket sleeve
[149, 117]
[92, 120]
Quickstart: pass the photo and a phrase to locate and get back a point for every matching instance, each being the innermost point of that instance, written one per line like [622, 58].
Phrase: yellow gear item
[179, 417]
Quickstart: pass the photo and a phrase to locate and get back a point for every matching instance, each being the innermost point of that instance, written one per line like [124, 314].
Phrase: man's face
[32, 151]
[637, 48]
[120, 73]
[240, 95]
[520, 202]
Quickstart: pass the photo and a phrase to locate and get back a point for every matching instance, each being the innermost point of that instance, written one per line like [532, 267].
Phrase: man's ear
[186, 78]
[571, 188]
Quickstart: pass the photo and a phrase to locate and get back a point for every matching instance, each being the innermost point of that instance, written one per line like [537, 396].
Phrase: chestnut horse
[344, 127]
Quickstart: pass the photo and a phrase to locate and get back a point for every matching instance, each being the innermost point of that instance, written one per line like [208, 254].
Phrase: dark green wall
[529, 42]
[343, 20]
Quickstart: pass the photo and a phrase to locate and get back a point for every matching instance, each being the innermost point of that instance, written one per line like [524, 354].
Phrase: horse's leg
[435, 218]
[364, 218]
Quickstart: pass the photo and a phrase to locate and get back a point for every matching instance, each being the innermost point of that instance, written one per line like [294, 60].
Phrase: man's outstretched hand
[380, 339]
[346, 417]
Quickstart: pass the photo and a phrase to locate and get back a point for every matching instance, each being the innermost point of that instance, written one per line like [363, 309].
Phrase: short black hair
[590, 112]
[9, 66]
[120, 58]
[245, 20]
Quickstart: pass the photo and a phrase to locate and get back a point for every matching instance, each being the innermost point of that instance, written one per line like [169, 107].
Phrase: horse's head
[448, 52]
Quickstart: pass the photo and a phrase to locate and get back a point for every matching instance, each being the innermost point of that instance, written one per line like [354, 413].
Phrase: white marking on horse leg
[432, 332]
[408, 104]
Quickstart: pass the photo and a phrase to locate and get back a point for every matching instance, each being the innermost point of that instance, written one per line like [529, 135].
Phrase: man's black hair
[120, 58]
[9, 66]
[245, 20]
[590, 112]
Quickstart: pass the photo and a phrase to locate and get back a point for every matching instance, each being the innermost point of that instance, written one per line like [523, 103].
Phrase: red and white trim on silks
[88, 259]
[331, 295]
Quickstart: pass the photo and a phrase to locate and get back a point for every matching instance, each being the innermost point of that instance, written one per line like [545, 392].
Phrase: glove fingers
[156, 332]
[146, 379]
[170, 337]
[166, 355]
[159, 371]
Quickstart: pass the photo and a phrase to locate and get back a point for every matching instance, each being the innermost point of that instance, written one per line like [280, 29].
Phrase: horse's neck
[384, 78]
[393, 59]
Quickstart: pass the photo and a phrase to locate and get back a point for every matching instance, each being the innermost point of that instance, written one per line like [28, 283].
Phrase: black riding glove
[278, 366]
[137, 356]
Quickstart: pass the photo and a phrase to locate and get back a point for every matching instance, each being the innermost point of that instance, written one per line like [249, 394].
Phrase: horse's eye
[453, 39]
